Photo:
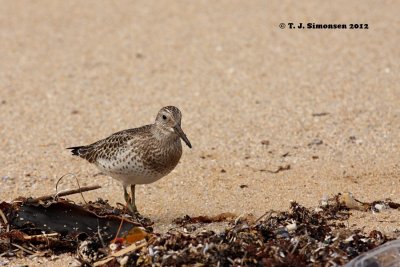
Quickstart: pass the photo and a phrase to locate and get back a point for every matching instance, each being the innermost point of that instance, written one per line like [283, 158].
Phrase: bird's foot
[132, 208]
[141, 219]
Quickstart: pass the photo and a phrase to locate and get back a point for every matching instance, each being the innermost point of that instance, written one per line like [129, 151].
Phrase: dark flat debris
[61, 223]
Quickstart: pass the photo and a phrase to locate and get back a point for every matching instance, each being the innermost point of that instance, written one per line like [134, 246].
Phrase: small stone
[113, 246]
[123, 261]
[265, 142]
[320, 114]
[190, 228]
[75, 263]
[291, 227]
[282, 233]
[349, 239]
[231, 70]
[324, 201]
[379, 207]
[244, 186]
[316, 142]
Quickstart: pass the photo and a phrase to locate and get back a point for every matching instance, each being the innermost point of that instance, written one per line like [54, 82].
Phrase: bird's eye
[164, 117]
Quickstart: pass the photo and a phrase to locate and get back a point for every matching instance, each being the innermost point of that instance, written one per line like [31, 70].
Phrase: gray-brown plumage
[140, 155]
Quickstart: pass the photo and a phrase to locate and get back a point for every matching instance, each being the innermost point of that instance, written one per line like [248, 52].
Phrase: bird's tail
[76, 150]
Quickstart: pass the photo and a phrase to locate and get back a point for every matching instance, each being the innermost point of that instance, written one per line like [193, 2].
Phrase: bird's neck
[164, 135]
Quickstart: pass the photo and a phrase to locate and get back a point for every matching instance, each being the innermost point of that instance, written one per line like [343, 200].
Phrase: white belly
[137, 179]
[133, 173]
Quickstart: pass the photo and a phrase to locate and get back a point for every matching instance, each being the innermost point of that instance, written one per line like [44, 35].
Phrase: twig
[119, 228]
[99, 233]
[320, 114]
[269, 213]
[66, 193]
[129, 249]
[304, 249]
[231, 261]
[23, 249]
[5, 220]
[59, 180]
[295, 247]
[238, 218]
[40, 237]
[77, 181]
[280, 168]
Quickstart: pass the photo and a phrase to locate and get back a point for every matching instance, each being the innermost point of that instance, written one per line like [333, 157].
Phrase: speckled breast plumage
[134, 156]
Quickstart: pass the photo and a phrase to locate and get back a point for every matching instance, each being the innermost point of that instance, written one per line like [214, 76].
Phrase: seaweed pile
[298, 237]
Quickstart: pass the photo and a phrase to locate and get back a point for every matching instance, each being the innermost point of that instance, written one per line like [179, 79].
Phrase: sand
[73, 72]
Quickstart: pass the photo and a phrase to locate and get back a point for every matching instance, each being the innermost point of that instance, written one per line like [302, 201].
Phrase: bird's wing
[109, 147]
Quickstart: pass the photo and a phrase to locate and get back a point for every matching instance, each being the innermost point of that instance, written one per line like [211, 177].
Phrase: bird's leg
[132, 207]
[133, 204]
[127, 199]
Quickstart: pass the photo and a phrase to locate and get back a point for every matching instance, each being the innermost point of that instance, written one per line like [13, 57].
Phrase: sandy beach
[324, 104]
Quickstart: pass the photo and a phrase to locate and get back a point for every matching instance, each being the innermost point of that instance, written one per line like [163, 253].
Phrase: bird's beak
[182, 135]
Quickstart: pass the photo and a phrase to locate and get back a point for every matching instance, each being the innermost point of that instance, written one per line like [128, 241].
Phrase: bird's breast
[164, 159]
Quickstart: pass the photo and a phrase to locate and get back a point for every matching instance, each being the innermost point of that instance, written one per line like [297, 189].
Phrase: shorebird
[140, 155]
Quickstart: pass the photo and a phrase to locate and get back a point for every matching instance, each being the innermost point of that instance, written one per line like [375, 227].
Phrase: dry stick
[66, 193]
[23, 249]
[295, 247]
[129, 249]
[77, 181]
[99, 233]
[119, 228]
[38, 237]
[5, 220]
[59, 180]
[269, 213]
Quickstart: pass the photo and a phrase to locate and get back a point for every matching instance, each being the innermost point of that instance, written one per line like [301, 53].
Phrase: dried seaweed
[204, 219]
[298, 237]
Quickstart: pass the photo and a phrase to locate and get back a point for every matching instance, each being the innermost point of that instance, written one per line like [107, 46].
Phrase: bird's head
[169, 120]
